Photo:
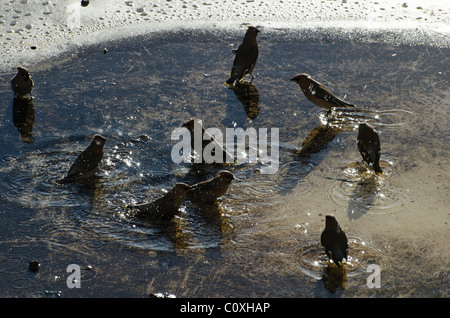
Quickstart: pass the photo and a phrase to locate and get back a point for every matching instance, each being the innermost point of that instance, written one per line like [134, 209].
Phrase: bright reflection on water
[263, 239]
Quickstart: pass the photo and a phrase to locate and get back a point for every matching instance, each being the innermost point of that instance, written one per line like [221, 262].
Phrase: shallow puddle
[263, 238]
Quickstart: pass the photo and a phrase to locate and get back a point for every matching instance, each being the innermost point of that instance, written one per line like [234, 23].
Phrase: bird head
[99, 140]
[24, 72]
[181, 188]
[226, 175]
[300, 77]
[365, 127]
[251, 33]
[253, 29]
[189, 124]
[331, 223]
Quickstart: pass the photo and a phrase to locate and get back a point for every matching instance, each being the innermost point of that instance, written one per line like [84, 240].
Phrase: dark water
[263, 238]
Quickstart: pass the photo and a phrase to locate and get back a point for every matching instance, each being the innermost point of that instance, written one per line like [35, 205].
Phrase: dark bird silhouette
[163, 208]
[207, 139]
[318, 93]
[22, 83]
[210, 190]
[88, 162]
[334, 240]
[246, 57]
[369, 146]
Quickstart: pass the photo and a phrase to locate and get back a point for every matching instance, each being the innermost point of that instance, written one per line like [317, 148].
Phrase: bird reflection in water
[334, 277]
[317, 139]
[248, 95]
[363, 197]
[23, 117]
[200, 223]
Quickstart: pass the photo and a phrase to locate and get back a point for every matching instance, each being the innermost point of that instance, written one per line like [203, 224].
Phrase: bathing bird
[88, 162]
[210, 190]
[369, 146]
[334, 241]
[163, 208]
[207, 139]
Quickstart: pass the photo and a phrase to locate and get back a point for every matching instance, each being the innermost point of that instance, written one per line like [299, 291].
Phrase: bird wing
[369, 150]
[324, 242]
[322, 92]
[160, 209]
[343, 243]
[244, 61]
[206, 191]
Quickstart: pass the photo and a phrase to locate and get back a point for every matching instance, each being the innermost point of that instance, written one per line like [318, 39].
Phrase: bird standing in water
[210, 190]
[246, 57]
[334, 240]
[22, 83]
[318, 93]
[88, 162]
[369, 146]
[164, 208]
[206, 140]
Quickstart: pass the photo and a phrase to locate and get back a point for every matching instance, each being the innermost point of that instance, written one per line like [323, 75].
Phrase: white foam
[54, 26]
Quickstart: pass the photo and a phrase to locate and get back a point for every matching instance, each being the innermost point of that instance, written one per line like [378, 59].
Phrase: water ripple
[348, 119]
[312, 259]
[361, 191]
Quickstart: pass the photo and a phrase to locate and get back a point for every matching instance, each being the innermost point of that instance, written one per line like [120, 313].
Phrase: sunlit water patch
[348, 119]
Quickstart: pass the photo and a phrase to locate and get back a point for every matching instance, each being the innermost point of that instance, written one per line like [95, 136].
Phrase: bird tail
[340, 102]
[345, 104]
[232, 80]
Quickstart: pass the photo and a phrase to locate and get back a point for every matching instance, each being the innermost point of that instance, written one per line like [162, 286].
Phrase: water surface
[263, 240]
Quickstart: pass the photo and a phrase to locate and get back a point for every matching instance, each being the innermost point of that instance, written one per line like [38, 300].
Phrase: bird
[22, 83]
[209, 191]
[163, 208]
[246, 57]
[88, 162]
[369, 146]
[206, 140]
[334, 241]
[318, 93]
